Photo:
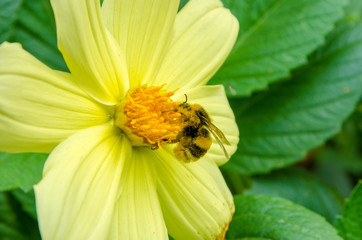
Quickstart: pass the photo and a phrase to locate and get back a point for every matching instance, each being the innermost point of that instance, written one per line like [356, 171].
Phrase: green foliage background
[294, 81]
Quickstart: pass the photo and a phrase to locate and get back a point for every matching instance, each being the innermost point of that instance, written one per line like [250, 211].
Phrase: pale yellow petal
[91, 53]
[205, 33]
[213, 99]
[76, 197]
[138, 212]
[195, 200]
[143, 30]
[40, 107]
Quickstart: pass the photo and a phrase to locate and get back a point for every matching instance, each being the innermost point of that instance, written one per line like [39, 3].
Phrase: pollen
[148, 116]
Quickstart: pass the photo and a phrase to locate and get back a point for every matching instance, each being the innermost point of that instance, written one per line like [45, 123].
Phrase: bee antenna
[185, 98]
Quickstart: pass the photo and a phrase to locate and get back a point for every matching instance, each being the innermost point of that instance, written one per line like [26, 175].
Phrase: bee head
[200, 112]
[185, 105]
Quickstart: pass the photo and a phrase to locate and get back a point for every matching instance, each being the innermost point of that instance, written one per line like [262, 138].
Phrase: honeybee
[194, 140]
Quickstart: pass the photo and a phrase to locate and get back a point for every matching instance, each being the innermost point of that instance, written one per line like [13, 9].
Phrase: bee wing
[216, 131]
[219, 136]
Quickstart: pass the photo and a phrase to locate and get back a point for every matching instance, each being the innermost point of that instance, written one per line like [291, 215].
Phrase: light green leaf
[302, 188]
[275, 36]
[8, 15]
[278, 219]
[279, 126]
[350, 225]
[20, 170]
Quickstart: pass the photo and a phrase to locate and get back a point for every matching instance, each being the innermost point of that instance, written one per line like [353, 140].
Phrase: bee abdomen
[197, 151]
[191, 152]
[191, 149]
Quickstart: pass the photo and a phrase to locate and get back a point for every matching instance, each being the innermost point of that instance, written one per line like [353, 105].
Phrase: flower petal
[205, 33]
[143, 30]
[91, 53]
[195, 200]
[138, 212]
[76, 197]
[39, 107]
[213, 99]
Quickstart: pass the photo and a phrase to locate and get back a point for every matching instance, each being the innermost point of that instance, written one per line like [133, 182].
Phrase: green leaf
[275, 36]
[350, 225]
[20, 170]
[236, 182]
[32, 24]
[279, 126]
[302, 188]
[8, 15]
[252, 239]
[15, 223]
[8, 220]
[27, 201]
[182, 4]
[276, 218]
[353, 11]
[36, 31]
[331, 173]
[344, 149]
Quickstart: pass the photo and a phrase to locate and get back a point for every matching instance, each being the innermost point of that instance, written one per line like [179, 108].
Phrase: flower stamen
[148, 117]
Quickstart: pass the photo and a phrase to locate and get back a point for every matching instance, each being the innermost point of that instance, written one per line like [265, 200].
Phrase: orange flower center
[149, 117]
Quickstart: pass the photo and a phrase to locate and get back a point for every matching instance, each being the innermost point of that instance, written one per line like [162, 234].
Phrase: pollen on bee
[149, 113]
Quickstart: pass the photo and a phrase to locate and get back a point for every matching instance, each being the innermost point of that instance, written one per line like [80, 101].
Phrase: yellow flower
[97, 184]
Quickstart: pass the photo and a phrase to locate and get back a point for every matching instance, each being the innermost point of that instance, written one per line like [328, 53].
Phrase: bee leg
[154, 147]
[178, 138]
[182, 153]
